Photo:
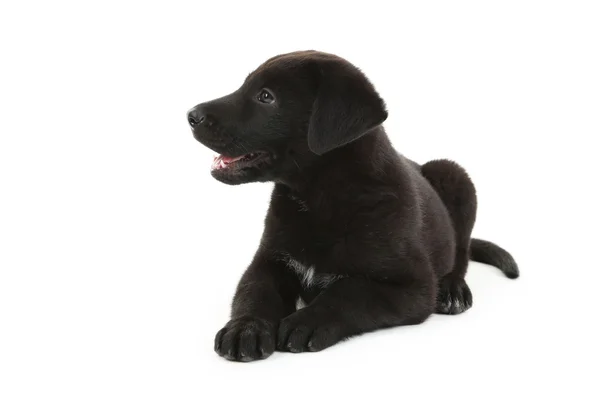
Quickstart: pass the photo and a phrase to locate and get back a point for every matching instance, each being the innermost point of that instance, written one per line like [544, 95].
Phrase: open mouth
[221, 162]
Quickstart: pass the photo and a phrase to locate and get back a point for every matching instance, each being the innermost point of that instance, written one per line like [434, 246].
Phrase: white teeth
[219, 163]
[216, 162]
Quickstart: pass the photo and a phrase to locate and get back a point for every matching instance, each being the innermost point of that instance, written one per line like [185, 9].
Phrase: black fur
[365, 237]
[490, 253]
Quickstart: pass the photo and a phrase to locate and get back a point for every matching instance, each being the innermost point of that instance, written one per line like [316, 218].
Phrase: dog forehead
[299, 57]
[284, 66]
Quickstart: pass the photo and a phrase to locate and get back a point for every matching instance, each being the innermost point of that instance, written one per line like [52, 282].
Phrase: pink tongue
[230, 159]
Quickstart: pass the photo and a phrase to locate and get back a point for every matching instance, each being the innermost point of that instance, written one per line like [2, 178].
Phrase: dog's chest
[307, 274]
[297, 223]
[303, 236]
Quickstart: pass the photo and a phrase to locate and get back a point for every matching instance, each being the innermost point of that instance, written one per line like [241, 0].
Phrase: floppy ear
[346, 107]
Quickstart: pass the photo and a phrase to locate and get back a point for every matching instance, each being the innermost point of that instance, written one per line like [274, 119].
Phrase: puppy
[363, 236]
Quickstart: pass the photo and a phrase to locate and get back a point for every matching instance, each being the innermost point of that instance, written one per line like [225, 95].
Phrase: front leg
[352, 306]
[266, 293]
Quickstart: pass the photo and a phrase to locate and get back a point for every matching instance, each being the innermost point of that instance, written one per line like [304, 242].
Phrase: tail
[492, 254]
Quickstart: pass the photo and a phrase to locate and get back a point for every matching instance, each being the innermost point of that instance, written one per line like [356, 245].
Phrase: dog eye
[266, 97]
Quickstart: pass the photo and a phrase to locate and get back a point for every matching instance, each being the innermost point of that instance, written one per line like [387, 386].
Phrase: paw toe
[265, 345]
[454, 297]
[298, 339]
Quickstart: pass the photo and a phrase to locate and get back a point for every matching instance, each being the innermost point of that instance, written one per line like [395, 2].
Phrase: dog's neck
[366, 157]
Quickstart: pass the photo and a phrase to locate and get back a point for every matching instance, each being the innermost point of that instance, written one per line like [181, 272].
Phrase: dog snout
[198, 117]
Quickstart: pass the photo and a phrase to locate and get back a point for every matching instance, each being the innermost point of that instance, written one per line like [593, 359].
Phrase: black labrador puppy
[362, 236]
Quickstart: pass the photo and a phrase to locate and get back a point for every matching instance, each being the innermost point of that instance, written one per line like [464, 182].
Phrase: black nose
[198, 117]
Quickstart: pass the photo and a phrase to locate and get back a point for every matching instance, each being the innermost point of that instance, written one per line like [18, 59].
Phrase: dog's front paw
[308, 330]
[454, 296]
[246, 339]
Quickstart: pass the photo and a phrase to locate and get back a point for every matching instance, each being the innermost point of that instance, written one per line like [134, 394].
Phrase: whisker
[299, 170]
[241, 145]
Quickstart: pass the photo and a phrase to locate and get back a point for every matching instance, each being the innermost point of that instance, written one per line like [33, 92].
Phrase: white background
[119, 254]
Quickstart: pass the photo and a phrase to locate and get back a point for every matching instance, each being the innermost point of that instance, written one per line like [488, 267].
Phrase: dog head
[288, 114]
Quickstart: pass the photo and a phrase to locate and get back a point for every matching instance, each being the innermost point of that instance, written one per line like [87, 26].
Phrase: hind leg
[455, 188]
